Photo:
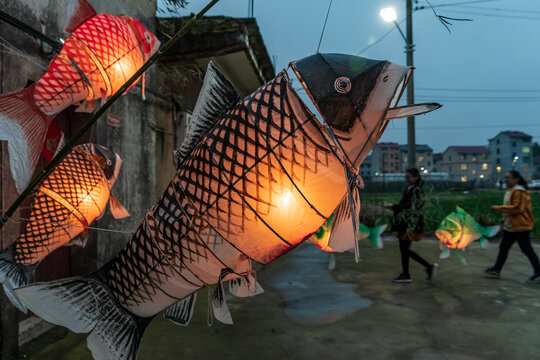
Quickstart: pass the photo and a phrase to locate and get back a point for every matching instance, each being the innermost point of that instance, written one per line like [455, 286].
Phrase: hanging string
[18, 221]
[324, 26]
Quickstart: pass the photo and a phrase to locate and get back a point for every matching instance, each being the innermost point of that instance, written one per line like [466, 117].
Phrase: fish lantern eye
[342, 85]
[147, 36]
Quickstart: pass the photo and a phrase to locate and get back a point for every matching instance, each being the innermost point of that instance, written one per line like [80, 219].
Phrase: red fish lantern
[100, 54]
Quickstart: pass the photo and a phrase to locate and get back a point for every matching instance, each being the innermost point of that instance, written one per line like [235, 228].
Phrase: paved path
[461, 316]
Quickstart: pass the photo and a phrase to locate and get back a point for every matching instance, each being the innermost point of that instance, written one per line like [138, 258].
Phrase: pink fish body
[101, 53]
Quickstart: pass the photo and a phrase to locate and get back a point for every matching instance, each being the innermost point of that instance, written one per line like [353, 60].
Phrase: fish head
[357, 97]
[150, 43]
[109, 161]
[450, 230]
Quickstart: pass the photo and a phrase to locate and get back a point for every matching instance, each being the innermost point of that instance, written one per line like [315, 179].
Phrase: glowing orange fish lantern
[256, 177]
[65, 204]
[100, 54]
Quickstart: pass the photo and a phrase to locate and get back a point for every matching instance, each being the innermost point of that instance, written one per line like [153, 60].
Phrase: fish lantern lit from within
[70, 198]
[101, 52]
[255, 178]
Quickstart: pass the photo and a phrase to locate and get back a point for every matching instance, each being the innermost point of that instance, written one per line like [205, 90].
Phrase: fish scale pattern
[242, 157]
[104, 50]
[51, 220]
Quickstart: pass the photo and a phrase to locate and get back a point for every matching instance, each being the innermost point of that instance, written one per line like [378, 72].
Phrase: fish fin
[491, 231]
[219, 303]
[343, 235]
[104, 96]
[483, 243]
[245, 286]
[54, 140]
[85, 305]
[24, 126]
[79, 240]
[375, 235]
[462, 257]
[331, 261]
[445, 253]
[411, 110]
[78, 12]
[87, 106]
[181, 311]
[12, 276]
[216, 97]
[118, 210]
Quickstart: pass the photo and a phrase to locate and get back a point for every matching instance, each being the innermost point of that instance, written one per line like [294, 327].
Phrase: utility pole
[409, 48]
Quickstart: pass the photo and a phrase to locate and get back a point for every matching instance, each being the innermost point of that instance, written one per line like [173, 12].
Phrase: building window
[498, 141]
[526, 149]
[513, 144]
[526, 169]
[498, 151]
[463, 166]
[498, 161]
[526, 159]
[420, 158]
[464, 179]
[473, 172]
[484, 156]
[449, 169]
[463, 157]
[449, 158]
[498, 169]
[484, 166]
[429, 163]
[474, 158]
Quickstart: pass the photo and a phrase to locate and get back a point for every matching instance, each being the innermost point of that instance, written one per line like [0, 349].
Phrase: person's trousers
[406, 253]
[523, 239]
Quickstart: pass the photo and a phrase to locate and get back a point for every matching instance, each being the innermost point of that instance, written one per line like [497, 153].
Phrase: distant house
[424, 157]
[385, 158]
[466, 163]
[366, 169]
[511, 150]
[536, 167]
[437, 159]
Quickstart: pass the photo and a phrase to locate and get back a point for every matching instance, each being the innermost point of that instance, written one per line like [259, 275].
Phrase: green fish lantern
[459, 229]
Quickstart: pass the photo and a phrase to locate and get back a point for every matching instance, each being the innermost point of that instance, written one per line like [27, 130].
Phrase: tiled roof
[514, 134]
[419, 147]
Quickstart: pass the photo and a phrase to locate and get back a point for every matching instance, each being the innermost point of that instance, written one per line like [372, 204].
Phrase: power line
[381, 38]
[460, 127]
[494, 15]
[476, 90]
[423, 7]
[500, 9]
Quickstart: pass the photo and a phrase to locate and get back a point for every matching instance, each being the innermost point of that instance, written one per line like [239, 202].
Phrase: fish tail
[13, 276]
[84, 304]
[491, 231]
[375, 235]
[24, 126]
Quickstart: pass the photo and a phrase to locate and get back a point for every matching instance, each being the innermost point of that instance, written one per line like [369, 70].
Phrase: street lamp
[388, 14]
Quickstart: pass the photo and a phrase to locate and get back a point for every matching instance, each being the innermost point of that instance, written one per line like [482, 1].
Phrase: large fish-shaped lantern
[70, 198]
[101, 53]
[459, 229]
[255, 179]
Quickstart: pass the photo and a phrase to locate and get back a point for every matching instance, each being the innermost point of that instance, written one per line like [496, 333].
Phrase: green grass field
[440, 203]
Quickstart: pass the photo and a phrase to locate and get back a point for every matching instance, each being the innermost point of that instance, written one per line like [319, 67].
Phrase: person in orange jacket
[518, 221]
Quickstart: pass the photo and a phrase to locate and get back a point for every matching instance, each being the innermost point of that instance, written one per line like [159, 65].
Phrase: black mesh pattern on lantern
[50, 220]
[206, 200]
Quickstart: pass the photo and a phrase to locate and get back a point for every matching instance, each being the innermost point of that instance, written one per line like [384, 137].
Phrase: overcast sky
[485, 72]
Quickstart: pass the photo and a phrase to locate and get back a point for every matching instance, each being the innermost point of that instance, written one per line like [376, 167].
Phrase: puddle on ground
[312, 295]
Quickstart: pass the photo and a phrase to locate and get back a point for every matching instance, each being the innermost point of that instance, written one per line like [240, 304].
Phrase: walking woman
[408, 221]
[518, 222]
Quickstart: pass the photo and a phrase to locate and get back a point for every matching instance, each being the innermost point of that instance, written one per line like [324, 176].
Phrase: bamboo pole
[69, 145]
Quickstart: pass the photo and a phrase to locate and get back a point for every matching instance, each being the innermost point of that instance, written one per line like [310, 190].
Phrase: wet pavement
[312, 294]
[462, 315]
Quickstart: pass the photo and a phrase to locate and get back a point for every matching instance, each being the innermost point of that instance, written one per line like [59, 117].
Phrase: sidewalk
[461, 315]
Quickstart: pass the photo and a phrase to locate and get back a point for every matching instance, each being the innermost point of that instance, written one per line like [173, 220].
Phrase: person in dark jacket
[408, 222]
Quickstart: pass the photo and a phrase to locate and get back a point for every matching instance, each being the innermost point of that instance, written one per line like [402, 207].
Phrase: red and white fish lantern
[100, 54]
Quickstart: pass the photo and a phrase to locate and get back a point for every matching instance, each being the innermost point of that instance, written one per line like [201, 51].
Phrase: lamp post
[389, 15]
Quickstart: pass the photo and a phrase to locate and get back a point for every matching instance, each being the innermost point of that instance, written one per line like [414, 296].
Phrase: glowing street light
[388, 14]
